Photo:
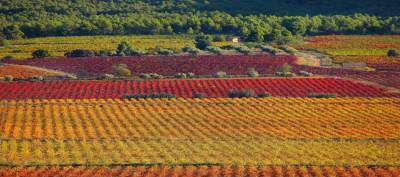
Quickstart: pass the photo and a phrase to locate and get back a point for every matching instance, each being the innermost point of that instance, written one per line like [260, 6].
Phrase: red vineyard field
[165, 65]
[278, 87]
[204, 65]
[191, 171]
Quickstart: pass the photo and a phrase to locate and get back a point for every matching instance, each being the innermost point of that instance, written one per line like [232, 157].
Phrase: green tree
[202, 41]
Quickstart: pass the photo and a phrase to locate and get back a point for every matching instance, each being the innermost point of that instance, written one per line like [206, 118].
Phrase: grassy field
[57, 46]
[271, 131]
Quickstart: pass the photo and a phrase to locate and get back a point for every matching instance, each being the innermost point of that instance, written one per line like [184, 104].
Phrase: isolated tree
[202, 41]
[40, 53]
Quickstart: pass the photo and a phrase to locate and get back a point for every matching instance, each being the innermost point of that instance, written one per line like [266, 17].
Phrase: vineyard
[370, 45]
[19, 71]
[198, 171]
[80, 118]
[57, 46]
[273, 130]
[187, 88]
[168, 66]
[371, 49]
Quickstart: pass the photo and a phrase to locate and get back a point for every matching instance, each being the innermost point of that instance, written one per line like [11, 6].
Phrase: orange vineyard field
[199, 171]
[18, 71]
[278, 131]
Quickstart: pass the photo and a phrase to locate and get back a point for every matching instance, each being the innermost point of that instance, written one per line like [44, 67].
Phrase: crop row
[278, 87]
[168, 66]
[203, 170]
[202, 119]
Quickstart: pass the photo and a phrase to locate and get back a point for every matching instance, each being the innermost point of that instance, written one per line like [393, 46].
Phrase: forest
[254, 20]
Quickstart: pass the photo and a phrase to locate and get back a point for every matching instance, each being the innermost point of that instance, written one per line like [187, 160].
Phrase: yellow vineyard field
[341, 131]
[57, 46]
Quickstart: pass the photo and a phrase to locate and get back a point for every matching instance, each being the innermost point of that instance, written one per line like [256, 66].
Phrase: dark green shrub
[8, 57]
[191, 50]
[392, 53]
[289, 50]
[264, 95]
[40, 53]
[243, 93]
[151, 76]
[36, 78]
[252, 72]
[305, 74]
[243, 49]
[218, 38]
[286, 74]
[229, 47]
[198, 95]
[269, 49]
[202, 41]
[166, 52]
[125, 49]
[181, 76]
[214, 49]
[322, 95]
[190, 75]
[220, 74]
[80, 53]
[107, 77]
[105, 53]
[8, 78]
[185, 75]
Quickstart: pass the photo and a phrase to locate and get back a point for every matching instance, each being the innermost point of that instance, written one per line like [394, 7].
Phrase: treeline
[62, 18]
[252, 28]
